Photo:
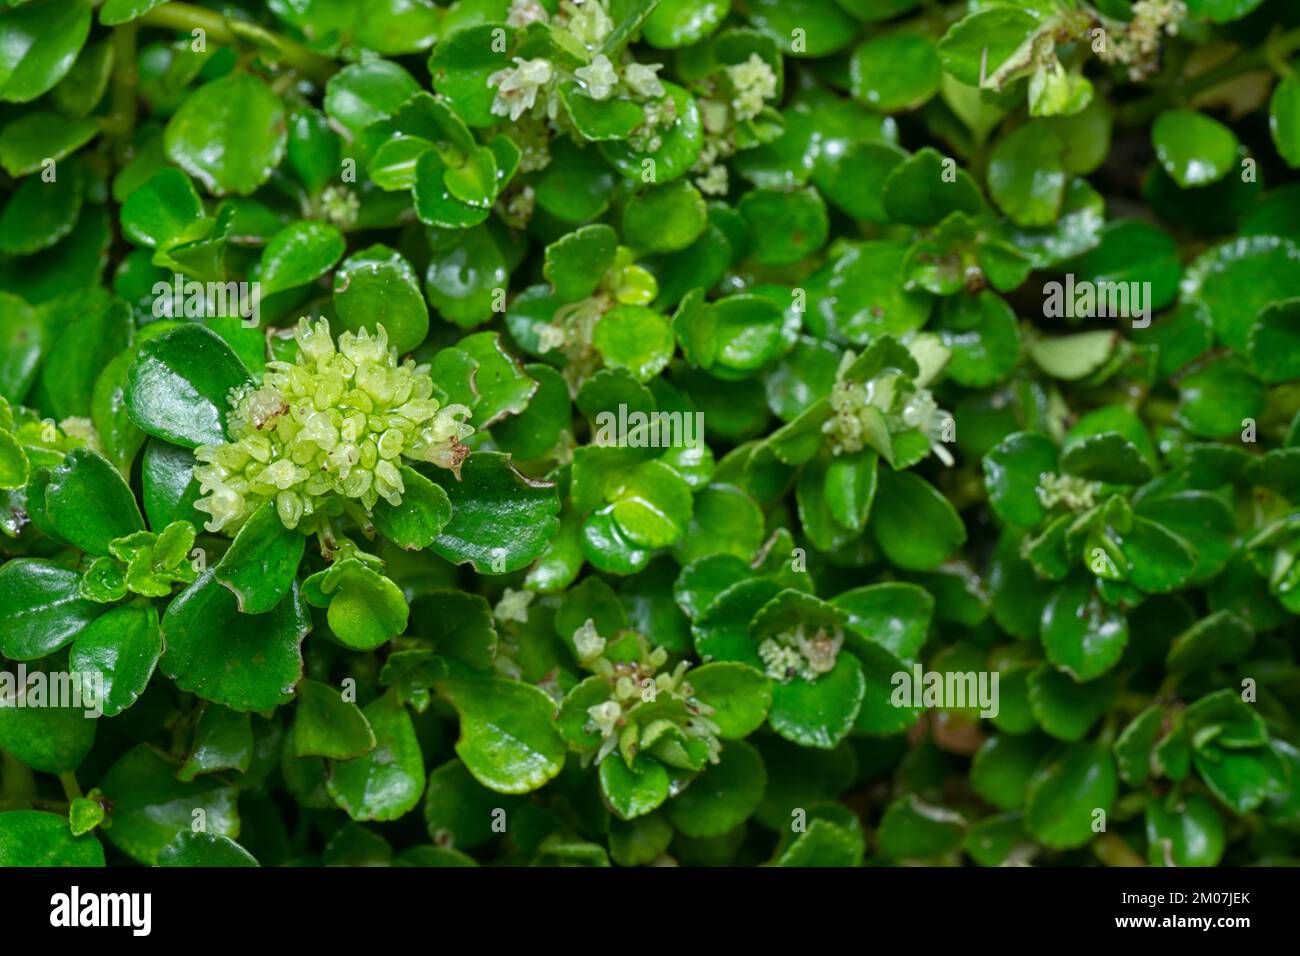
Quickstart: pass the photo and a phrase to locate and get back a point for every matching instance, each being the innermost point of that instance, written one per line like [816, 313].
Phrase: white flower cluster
[860, 408]
[1074, 492]
[329, 427]
[754, 84]
[581, 26]
[795, 653]
[673, 698]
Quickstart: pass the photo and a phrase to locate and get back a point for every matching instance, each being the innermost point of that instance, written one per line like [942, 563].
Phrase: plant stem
[121, 117]
[71, 789]
[1276, 49]
[220, 29]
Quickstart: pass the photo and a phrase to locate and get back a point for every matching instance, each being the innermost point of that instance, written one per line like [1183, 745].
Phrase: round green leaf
[501, 521]
[178, 386]
[40, 603]
[37, 838]
[386, 782]
[723, 795]
[151, 806]
[299, 254]
[1194, 149]
[664, 218]
[204, 849]
[895, 72]
[258, 661]
[507, 739]
[1064, 796]
[229, 134]
[914, 524]
[118, 650]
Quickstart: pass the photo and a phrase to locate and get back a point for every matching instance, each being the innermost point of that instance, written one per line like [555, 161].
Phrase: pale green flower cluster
[889, 403]
[1137, 43]
[795, 653]
[1074, 492]
[754, 83]
[327, 431]
[580, 27]
[641, 694]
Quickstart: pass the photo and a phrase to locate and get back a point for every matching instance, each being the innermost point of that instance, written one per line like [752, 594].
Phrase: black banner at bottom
[340, 905]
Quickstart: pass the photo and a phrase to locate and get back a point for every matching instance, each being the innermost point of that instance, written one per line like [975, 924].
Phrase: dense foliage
[354, 360]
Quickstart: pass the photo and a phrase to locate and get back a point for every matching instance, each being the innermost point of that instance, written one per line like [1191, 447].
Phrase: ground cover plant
[703, 432]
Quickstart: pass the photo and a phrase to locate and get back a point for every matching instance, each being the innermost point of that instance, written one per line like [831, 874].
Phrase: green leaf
[366, 609]
[223, 740]
[975, 47]
[501, 521]
[1108, 457]
[1012, 471]
[121, 438]
[723, 796]
[299, 254]
[191, 849]
[1238, 279]
[98, 330]
[164, 212]
[229, 134]
[1217, 397]
[40, 213]
[118, 652]
[1065, 794]
[787, 225]
[1081, 635]
[507, 739]
[913, 829]
[739, 695]
[1003, 767]
[258, 661]
[461, 64]
[41, 606]
[673, 24]
[916, 526]
[1026, 177]
[1065, 709]
[819, 713]
[416, 523]
[88, 503]
[894, 615]
[895, 72]
[262, 562]
[921, 191]
[378, 286]
[37, 838]
[178, 386]
[576, 262]
[664, 218]
[1275, 342]
[151, 806]
[1184, 830]
[1194, 149]
[44, 724]
[633, 792]
[39, 43]
[115, 12]
[386, 782]
[22, 341]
